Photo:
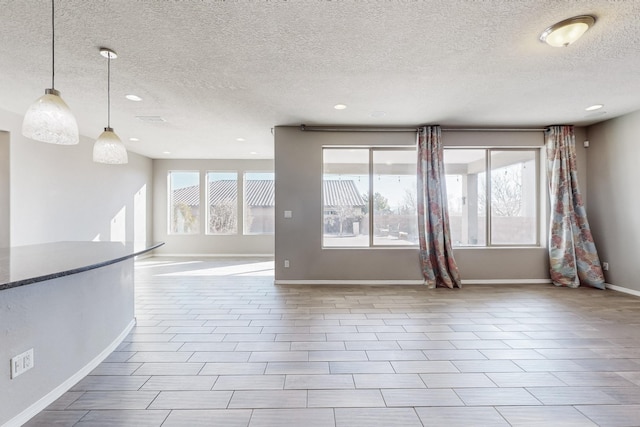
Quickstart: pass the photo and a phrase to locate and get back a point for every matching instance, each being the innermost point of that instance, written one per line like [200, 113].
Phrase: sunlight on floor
[155, 263]
[214, 268]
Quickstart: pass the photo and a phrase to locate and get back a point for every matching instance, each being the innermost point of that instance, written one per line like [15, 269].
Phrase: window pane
[345, 185]
[513, 197]
[184, 202]
[466, 195]
[259, 202]
[222, 194]
[395, 220]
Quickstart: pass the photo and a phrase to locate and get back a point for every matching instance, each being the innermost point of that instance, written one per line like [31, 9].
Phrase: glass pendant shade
[109, 149]
[49, 119]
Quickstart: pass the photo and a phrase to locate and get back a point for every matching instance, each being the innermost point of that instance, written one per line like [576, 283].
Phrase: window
[184, 202]
[345, 194]
[259, 203]
[351, 218]
[395, 214]
[222, 199]
[465, 176]
[499, 208]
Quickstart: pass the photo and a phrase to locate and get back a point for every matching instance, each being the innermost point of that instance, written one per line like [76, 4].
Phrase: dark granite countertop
[23, 265]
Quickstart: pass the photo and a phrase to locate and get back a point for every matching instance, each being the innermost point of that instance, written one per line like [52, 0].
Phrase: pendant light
[108, 148]
[49, 119]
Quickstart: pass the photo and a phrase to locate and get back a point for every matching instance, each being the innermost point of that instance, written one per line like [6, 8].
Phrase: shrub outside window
[184, 202]
[259, 203]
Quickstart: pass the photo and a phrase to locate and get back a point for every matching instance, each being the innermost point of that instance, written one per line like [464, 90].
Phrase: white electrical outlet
[286, 263]
[28, 360]
[22, 363]
[605, 266]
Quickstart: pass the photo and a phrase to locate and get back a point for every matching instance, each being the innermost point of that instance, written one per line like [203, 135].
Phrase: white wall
[58, 193]
[202, 243]
[5, 183]
[613, 203]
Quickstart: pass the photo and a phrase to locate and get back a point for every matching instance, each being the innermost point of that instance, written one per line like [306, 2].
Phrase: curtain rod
[409, 129]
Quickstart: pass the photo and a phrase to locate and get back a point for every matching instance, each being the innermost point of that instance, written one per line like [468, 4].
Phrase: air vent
[151, 119]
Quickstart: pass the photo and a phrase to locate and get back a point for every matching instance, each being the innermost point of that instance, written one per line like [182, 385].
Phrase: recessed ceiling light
[132, 97]
[568, 31]
[339, 106]
[378, 114]
[134, 139]
[151, 119]
[253, 152]
[594, 107]
[166, 152]
[240, 139]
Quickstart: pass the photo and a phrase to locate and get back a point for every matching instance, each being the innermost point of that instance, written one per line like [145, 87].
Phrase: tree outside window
[222, 200]
[184, 202]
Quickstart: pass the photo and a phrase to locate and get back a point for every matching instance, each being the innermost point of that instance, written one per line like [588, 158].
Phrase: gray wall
[613, 178]
[202, 243]
[58, 193]
[298, 164]
[298, 167]
[68, 322]
[5, 182]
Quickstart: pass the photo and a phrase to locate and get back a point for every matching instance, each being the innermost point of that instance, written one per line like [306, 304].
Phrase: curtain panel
[572, 252]
[436, 255]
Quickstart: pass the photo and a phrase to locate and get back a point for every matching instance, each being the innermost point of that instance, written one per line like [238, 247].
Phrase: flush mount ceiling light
[108, 148]
[49, 119]
[132, 97]
[568, 31]
[240, 139]
[594, 107]
[339, 106]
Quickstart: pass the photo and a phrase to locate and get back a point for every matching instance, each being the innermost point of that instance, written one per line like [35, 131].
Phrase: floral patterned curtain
[436, 256]
[572, 252]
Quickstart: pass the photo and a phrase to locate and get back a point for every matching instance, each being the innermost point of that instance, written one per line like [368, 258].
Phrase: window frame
[208, 205]
[170, 190]
[370, 201]
[245, 209]
[488, 190]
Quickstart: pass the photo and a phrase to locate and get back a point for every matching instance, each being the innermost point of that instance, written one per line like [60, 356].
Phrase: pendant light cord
[109, 89]
[53, 44]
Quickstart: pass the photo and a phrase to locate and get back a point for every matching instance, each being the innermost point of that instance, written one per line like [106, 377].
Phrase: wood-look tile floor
[217, 344]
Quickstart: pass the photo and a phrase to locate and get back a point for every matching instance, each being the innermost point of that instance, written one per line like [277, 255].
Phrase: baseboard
[54, 394]
[157, 255]
[349, 282]
[622, 289]
[411, 282]
[506, 281]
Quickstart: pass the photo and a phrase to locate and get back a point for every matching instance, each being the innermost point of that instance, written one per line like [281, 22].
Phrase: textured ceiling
[217, 71]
